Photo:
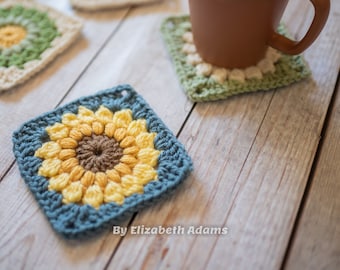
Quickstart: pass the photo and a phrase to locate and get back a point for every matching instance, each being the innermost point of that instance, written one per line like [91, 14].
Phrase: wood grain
[316, 244]
[136, 55]
[252, 157]
[30, 242]
[47, 87]
[252, 154]
[217, 133]
[27, 240]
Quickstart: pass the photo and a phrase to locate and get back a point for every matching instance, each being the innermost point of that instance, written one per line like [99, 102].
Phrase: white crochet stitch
[220, 75]
[69, 28]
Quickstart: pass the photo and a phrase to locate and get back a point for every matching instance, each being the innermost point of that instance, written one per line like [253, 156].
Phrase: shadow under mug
[237, 33]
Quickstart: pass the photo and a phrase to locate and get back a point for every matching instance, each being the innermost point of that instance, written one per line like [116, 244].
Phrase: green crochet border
[289, 69]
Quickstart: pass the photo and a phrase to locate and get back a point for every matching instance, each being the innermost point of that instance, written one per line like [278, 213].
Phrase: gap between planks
[309, 115]
[98, 251]
[19, 101]
[290, 260]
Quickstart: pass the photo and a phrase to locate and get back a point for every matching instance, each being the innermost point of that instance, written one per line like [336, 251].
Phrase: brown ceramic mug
[236, 33]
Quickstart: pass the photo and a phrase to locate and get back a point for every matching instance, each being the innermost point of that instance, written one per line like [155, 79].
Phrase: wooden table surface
[266, 165]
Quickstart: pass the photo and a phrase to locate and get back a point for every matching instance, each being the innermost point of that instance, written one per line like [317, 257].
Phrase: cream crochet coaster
[204, 82]
[102, 4]
[31, 36]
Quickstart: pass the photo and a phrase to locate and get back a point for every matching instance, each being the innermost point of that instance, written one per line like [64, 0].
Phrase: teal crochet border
[80, 221]
[289, 69]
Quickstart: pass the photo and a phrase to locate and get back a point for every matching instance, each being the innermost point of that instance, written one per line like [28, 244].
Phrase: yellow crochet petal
[129, 160]
[122, 118]
[104, 115]
[68, 143]
[114, 193]
[113, 175]
[110, 129]
[148, 156]
[133, 190]
[59, 182]
[49, 167]
[133, 150]
[97, 127]
[123, 169]
[145, 140]
[129, 180]
[101, 179]
[127, 142]
[48, 150]
[87, 179]
[76, 134]
[119, 134]
[70, 120]
[67, 154]
[93, 196]
[136, 127]
[131, 185]
[76, 173]
[72, 193]
[57, 131]
[86, 129]
[68, 164]
[145, 173]
[85, 115]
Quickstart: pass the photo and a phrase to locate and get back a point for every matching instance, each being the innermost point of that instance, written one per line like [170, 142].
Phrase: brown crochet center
[98, 153]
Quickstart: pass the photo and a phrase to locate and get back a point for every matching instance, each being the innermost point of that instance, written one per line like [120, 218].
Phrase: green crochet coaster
[204, 82]
[31, 36]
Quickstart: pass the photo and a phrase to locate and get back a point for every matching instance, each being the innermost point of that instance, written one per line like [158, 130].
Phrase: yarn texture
[204, 82]
[31, 35]
[93, 5]
[96, 161]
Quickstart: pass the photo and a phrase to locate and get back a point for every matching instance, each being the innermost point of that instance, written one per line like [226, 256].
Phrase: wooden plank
[137, 56]
[252, 157]
[29, 241]
[47, 87]
[215, 138]
[316, 243]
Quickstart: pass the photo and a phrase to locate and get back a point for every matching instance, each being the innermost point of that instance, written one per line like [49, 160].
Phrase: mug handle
[289, 46]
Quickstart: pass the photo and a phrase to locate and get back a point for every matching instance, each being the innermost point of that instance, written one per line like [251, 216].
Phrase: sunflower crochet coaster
[102, 4]
[31, 35]
[99, 159]
[204, 82]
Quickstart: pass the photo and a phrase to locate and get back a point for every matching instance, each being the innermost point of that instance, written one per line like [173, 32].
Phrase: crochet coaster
[31, 35]
[204, 82]
[98, 160]
[102, 4]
